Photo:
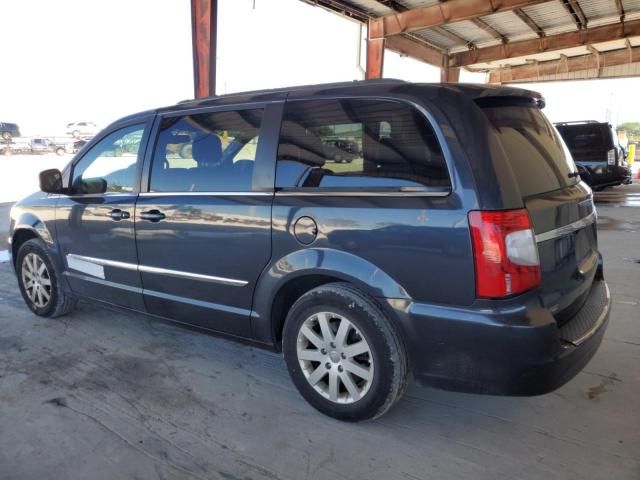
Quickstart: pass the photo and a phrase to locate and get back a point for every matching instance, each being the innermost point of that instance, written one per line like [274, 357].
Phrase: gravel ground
[103, 394]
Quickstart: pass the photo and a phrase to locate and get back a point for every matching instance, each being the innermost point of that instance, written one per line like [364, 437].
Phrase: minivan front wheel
[343, 354]
[39, 281]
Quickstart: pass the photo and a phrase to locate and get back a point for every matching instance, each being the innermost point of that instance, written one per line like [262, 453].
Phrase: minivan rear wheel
[39, 281]
[343, 354]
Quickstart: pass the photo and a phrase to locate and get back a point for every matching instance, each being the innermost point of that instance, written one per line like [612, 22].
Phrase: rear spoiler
[511, 101]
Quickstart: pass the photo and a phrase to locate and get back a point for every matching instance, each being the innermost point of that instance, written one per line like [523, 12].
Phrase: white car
[82, 129]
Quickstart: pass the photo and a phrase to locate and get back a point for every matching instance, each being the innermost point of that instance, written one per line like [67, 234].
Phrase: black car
[461, 248]
[595, 149]
[8, 131]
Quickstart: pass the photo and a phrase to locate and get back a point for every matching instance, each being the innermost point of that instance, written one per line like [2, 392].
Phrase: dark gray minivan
[459, 246]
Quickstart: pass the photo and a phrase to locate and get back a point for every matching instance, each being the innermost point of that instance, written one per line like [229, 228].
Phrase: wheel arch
[27, 226]
[290, 277]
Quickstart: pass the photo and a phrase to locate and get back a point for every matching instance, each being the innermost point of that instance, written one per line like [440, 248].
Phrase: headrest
[207, 150]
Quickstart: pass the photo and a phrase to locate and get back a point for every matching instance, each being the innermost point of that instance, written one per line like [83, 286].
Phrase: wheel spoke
[343, 331]
[46, 295]
[312, 336]
[41, 268]
[33, 263]
[323, 321]
[356, 349]
[317, 374]
[349, 384]
[27, 273]
[31, 293]
[333, 385]
[39, 301]
[358, 370]
[311, 355]
[45, 281]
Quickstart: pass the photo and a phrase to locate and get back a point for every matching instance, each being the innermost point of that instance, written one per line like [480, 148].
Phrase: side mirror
[51, 181]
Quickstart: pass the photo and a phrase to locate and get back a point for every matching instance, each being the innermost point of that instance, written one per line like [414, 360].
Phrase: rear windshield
[538, 156]
[586, 136]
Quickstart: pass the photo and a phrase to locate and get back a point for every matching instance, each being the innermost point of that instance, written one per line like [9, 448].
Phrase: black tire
[390, 373]
[60, 151]
[76, 134]
[6, 136]
[59, 303]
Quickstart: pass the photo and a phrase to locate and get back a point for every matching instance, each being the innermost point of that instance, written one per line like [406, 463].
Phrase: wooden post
[204, 16]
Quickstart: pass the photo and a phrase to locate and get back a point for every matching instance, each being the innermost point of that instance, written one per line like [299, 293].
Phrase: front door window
[110, 165]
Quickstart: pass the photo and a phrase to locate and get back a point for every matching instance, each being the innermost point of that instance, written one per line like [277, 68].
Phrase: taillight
[611, 156]
[505, 253]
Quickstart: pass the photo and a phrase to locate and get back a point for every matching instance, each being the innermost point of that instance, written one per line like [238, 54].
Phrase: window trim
[374, 191]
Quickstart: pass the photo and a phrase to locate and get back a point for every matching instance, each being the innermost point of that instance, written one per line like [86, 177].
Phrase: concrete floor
[106, 395]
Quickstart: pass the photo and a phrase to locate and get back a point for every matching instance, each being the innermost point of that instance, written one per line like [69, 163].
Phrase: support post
[204, 16]
[375, 53]
[449, 74]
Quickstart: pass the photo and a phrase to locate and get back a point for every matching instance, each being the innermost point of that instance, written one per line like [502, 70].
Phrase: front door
[204, 228]
[95, 221]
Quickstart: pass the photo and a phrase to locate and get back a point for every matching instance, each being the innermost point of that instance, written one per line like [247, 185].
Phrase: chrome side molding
[565, 230]
[83, 264]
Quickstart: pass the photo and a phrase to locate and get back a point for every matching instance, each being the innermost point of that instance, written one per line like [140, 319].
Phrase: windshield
[539, 158]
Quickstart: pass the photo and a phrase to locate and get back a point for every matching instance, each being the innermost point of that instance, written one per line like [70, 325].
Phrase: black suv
[460, 246]
[597, 153]
[8, 131]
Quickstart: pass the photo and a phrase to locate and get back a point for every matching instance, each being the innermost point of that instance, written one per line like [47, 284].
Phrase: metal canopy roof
[514, 40]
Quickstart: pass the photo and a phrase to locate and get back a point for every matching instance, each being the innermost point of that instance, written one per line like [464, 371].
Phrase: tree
[632, 128]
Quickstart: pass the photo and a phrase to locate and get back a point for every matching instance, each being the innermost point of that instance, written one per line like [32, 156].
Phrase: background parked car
[8, 131]
[62, 145]
[597, 153]
[20, 145]
[81, 129]
[35, 145]
[340, 150]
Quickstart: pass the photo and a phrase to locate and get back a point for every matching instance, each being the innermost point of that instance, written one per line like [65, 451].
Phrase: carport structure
[511, 40]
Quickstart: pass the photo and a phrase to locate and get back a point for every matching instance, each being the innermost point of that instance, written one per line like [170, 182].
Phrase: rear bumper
[609, 176]
[511, 350]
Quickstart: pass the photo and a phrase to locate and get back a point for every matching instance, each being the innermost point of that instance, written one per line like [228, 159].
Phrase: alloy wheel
[335, 357]
[36, 280]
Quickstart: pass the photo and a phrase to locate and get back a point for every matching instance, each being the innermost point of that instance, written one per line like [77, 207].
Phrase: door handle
[117, 214]
[153, 215]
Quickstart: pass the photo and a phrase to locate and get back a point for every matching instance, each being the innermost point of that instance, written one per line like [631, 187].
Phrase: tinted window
[358, 144]
[539, 159]
[208, 152]
[586, 136]
[111, 164]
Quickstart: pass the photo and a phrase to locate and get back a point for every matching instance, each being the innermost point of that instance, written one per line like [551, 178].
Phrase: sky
[98, 60]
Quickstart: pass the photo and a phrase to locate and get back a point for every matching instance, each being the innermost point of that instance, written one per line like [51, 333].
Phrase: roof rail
[381, 81]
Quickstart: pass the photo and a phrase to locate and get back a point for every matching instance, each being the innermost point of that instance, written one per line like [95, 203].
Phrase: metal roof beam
[620, 8]
[489, 29]
[549, 43]
[538, 70]
[442, 13]
[415, 49]
[452, 36]
[574, 9]
[529, 21]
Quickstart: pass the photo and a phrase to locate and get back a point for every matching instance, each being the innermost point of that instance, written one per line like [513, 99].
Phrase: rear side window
[539, 158]
[358, 144]
[208, 152]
